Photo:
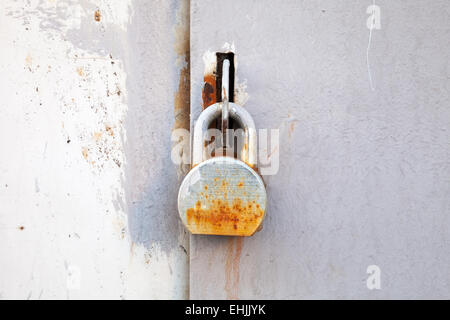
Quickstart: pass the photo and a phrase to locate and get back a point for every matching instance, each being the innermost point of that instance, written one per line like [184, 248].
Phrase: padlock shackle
[236, 112]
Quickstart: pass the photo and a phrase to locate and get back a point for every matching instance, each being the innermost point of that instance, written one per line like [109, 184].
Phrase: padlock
[223, 195]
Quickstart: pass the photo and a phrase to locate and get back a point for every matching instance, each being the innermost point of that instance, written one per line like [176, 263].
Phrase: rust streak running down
[232, 265]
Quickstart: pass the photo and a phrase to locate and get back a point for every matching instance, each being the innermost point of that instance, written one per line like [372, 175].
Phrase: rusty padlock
[223, 195]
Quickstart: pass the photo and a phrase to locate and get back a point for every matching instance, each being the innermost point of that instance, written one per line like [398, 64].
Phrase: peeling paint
[73, 70]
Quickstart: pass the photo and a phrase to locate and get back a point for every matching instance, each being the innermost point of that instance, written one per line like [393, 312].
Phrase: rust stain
[97, 15]
[232, 265]
[220, 217]
[291, 125]
[223, 209]
[182, 49]
[21, 228]
[291, 128]
[29, 61]
[80, 71]
[84, 152]
[212, 82]
[109, 130]
[97, 136]
[209, 90]
[182, 97]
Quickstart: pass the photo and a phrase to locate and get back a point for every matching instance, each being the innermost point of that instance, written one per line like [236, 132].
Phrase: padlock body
[222, 196]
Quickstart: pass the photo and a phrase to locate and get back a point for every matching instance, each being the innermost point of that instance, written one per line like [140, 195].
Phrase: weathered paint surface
[87, 189]
[364, 174]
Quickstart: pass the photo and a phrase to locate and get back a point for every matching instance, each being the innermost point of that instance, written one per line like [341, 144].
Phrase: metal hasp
[222, 195]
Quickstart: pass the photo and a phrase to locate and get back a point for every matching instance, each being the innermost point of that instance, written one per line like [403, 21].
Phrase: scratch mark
[368, 48]
[184, 249]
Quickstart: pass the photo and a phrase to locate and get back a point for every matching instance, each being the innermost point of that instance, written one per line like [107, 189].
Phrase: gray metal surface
[364, 174]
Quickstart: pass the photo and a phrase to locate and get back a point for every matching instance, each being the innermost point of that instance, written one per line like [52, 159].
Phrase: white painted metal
[87, 93]
[364, 156]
